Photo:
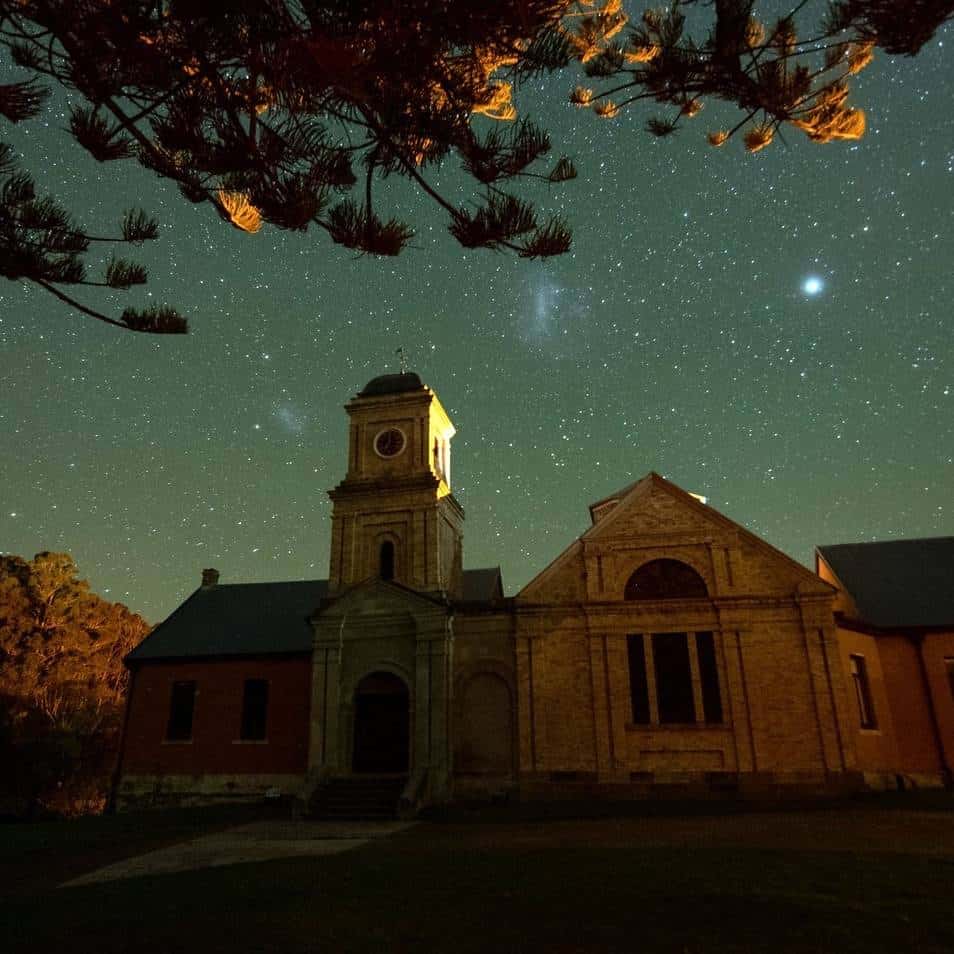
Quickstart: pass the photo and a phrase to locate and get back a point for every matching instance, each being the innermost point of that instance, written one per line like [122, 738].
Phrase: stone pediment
[378, 598]
[654, 508]
[653, 519]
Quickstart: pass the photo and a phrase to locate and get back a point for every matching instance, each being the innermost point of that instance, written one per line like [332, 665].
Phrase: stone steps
[358, 797]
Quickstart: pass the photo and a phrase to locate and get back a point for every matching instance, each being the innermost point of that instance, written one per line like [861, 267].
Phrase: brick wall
[783, 696]
[215, 747]
[937, 648]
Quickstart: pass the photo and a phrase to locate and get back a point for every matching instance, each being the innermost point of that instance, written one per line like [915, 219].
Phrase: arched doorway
[381, 724]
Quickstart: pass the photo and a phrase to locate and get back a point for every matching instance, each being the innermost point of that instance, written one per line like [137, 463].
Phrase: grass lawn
[857, 878]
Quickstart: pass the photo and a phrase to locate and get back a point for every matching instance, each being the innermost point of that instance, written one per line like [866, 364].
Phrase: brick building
[895, 617]
[667, 646]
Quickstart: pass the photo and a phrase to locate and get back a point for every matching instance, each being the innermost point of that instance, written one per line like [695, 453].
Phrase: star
[812, 285]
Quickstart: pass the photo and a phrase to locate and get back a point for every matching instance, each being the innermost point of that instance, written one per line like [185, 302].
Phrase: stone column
[737, 696]
[432, 700]
[324, 750]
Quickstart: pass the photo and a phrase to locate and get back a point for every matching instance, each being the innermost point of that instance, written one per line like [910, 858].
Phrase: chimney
[209, 578]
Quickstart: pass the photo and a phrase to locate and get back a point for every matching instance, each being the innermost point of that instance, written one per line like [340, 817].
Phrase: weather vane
[403, 357]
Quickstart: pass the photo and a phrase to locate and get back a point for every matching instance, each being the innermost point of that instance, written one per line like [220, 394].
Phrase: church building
[667, 649]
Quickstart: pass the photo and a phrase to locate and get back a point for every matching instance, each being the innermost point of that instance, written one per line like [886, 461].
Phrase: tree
[296, 113]
[40, 242]
[62, 681]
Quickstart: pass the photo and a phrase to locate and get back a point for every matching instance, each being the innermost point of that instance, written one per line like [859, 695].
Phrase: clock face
[389, 443]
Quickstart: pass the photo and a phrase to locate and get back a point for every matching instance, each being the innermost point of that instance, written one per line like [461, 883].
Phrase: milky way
[681, 335]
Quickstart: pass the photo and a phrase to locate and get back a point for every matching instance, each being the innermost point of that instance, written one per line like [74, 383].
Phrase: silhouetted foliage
[274, 111]
[62, 684]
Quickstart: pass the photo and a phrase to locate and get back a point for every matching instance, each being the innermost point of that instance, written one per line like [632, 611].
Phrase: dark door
[381, 724]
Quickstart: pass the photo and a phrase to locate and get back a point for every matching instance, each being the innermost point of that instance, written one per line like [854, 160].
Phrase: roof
[897, 583]
[612, 498]
[481, 586]
[257, 619]
[237, 619]
[392, 384]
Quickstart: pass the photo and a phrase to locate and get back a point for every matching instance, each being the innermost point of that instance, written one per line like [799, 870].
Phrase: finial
[400, 353]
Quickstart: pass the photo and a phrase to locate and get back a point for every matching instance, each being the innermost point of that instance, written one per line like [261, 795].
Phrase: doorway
[381, 725]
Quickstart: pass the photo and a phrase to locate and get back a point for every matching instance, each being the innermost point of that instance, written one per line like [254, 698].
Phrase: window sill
[869, 730]
[249, 741]
[177, 741]
[676, 726]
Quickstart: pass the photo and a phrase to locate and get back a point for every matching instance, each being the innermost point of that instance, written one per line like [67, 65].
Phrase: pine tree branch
[73, 303]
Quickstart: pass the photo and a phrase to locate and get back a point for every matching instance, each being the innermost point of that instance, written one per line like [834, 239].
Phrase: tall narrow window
[254, 710]
[859, 677]
[709, 677]
[638, 686]
[387, 560]
[181, 710]
[673, 678]
[949, 666]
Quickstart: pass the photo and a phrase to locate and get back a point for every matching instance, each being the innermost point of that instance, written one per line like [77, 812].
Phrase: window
[675, 695]
[254, 710]
[709, 677]
[181, 710]
[673, 678]
[859, 677]
[386, 563]
[949, 666]
[638, 686]
[665, 580]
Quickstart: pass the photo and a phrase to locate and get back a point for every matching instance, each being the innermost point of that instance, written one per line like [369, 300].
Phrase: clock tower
[394, 516]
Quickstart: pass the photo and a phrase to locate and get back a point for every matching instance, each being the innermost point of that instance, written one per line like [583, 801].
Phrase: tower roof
[392, 384]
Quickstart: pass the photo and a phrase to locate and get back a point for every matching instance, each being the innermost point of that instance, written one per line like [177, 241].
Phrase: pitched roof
[481, 586]
[237, 619]
[257, 619]
[897, 583]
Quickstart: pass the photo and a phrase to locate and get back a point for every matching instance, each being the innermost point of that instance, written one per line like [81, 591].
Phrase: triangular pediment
[655, 516]
[378, 598]
[653, 505]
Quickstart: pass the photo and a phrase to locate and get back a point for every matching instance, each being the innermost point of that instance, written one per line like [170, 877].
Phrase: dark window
[387, 560]
[949, 666]
[709, 677]
[665, 580]
[638, 686]
[254, 710]
[673, 678]
[859, 677]
[181, 709]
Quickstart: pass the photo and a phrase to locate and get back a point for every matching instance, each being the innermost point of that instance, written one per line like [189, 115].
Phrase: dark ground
[867, 876]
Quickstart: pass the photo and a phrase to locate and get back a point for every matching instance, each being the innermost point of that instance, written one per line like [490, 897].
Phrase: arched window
[665, 580]
[386, 561]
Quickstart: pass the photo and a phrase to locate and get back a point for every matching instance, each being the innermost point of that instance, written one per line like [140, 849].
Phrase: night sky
[772, 331]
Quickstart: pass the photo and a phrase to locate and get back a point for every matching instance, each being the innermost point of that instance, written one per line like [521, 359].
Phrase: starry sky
[772, 331]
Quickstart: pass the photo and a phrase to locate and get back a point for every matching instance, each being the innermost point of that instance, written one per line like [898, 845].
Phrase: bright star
[812, 285]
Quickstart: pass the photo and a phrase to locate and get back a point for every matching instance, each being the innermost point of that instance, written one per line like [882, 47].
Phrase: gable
[378, 598]
[654, 519]
[650, 506]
